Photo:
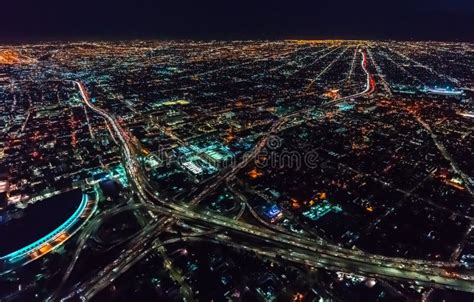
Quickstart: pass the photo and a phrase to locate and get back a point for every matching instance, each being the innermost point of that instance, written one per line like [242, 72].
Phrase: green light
[13, 257]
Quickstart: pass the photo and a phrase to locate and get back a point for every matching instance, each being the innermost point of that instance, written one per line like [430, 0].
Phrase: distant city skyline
[121, 19]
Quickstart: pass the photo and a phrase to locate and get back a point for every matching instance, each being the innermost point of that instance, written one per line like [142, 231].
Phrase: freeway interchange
[270, 243]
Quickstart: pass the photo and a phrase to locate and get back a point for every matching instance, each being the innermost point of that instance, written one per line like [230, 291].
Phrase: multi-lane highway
[292, 247]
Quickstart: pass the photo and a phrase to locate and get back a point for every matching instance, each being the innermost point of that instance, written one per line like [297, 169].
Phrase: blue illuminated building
[25, 251]
[345, 106]
[273, 213]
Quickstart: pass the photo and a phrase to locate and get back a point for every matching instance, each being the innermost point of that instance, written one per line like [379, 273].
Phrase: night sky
[34, 20]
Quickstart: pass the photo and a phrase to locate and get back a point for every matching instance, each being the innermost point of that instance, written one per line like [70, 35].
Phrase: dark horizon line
[243, 38]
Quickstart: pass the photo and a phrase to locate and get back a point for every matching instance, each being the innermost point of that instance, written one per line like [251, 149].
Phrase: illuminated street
[288, 170]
